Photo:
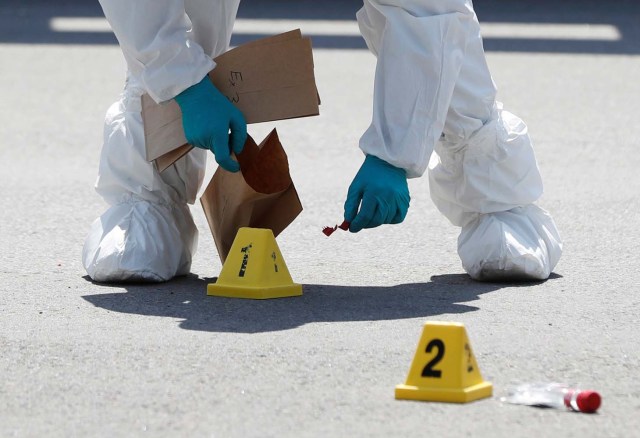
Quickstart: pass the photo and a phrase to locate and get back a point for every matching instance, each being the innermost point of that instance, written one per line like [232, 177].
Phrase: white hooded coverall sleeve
[155, 40]
[435, 106]
[147, 233]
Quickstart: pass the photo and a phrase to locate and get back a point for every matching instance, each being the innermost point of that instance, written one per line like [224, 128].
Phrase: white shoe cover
[147, 233]
[140, 241]
[520, 244]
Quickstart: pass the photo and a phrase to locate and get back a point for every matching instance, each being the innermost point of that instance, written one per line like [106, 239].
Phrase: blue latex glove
[207, 117]
[383, 191]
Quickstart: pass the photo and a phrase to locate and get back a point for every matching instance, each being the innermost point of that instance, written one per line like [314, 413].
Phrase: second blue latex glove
[378, 195]
[207, 118]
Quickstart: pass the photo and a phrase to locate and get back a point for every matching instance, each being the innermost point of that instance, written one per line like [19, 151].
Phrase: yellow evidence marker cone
[254, 269]
[444, 368]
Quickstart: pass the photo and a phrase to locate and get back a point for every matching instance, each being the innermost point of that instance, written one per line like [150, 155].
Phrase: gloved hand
[207, 117]
[384, 193]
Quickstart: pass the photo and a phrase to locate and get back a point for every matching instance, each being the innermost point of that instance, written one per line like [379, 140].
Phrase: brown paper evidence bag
[268, 79]
[261, 195]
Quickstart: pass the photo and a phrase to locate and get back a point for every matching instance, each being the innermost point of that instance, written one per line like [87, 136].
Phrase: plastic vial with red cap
[554, 395]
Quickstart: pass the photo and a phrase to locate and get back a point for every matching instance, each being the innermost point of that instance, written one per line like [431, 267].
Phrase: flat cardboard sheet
[267, 79]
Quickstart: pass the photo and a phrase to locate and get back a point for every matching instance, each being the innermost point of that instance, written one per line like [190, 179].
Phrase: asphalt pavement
[84, 359]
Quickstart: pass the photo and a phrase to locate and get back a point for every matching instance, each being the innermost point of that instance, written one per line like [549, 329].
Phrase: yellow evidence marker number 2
[444, 368]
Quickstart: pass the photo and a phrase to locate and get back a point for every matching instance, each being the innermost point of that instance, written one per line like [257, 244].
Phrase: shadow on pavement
[28, 22]
[186, 298]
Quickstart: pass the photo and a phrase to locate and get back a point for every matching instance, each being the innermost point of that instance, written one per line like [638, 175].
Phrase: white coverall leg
[148, 233]
[434, 105]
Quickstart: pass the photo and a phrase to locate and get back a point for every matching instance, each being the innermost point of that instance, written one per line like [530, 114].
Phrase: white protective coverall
[433, 89]
[148, 233]
[434, 93]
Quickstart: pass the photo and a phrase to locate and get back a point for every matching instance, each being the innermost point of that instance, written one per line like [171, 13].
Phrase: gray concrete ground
[83, 359]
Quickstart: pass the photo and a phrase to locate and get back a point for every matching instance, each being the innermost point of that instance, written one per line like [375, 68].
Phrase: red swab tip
[328, 231]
